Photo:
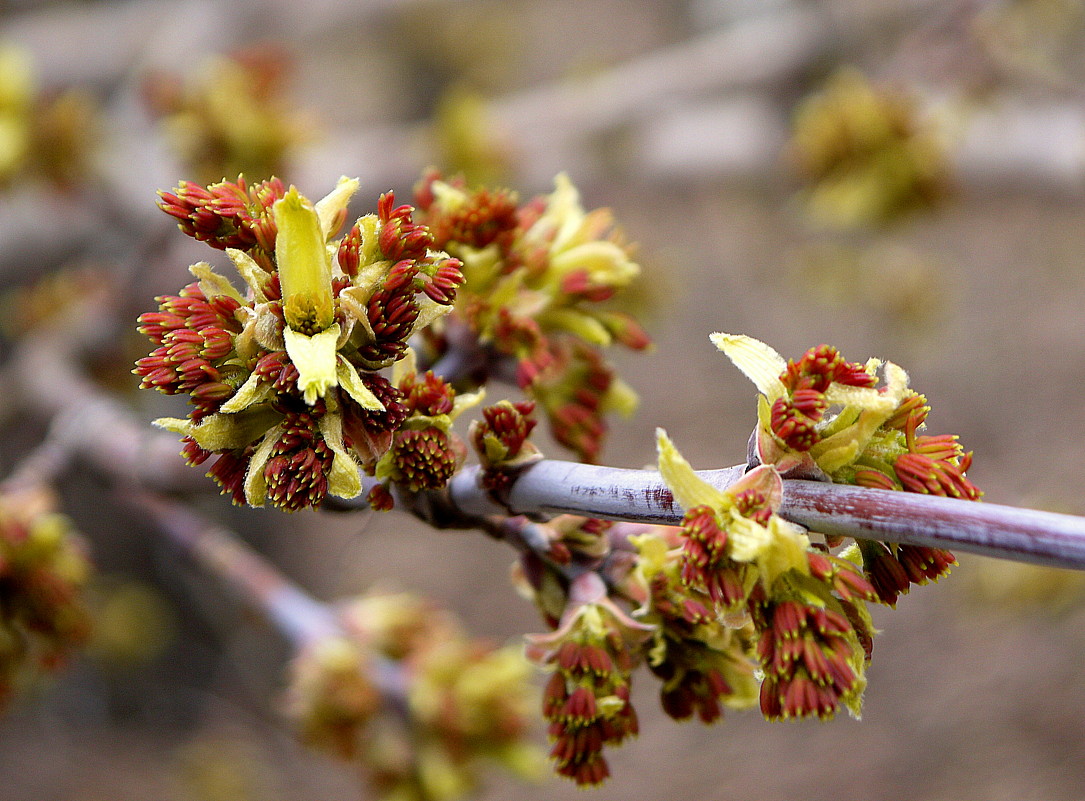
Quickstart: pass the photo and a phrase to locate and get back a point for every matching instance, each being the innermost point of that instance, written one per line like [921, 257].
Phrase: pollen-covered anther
[277, 369]
[807, 654]
[885, 572]
[841, 575]
[923, 564]
[380, 499]
[920, 473]
[400, 237]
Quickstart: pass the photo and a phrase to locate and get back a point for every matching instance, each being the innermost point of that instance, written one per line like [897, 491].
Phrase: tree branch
[1025, 535]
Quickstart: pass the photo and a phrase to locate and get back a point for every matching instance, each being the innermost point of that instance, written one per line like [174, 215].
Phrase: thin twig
[301, 619]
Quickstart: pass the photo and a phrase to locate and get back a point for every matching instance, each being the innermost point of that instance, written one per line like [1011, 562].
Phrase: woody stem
[555, 487]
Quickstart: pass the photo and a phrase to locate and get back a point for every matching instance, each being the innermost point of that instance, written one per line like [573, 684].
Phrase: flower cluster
[586, 701]
[702, 662]
[43, 569]
[865, 154]
[463, 701]
[824, 417]
[229, 115]
[536, 276]
[284, 379]
[748, 566]
[44, 136]
[501, 441]
[423, 453]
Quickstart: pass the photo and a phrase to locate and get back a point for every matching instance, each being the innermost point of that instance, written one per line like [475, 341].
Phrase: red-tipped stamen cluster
[229, 214]
[892, 569]
[565, 375]
[195, 337]
[692, 671]
[806, 653]
[400, 237]
[486, 217]
[512, 424]
[426, 394]
[587, 705]
[210, 343]
[842, 577]
[795, 415]
[392, 313]
[43, 568]
[509, 425]
[930, 465]
[706, 565]
[423, 454]
[933, 465]
[423, 459]
[296, 473]
[570, 383]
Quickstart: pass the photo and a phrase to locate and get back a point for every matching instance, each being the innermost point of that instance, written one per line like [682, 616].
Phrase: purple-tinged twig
[298, 616]
[1025, 535]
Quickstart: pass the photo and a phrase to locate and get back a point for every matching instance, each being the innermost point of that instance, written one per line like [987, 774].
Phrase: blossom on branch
[285, 378]
[43, 571]
[824, 417]
[537, 279]
[408, 696]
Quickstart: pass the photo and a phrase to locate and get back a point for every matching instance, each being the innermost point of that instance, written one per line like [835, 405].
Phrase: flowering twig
[556, 487]
[298, 616]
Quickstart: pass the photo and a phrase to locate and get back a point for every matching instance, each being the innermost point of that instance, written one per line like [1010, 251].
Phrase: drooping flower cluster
[43, 569]
[229, 114]
[284, 378]
[748, 566]
[824, 417]
[586, 701]
[865, 153]
[463, 702]
[536, 276]
[702, 662]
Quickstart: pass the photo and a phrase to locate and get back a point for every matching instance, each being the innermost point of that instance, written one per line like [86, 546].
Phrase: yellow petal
[253, 391]
[747, 539]
[315, 358]
[255, 481]
[688, 489]
[428, 311]
[466, 400]
[620, 398]
[251, 273]
[577, 323]
[760, 363]
[605, 262]
[344, 480]
[331, 206]
[786, 550]
[305, 271]
[222, 432]
[212, 284]
[350, 381]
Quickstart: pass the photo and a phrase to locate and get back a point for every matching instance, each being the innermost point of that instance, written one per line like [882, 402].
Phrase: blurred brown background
[675, 115]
